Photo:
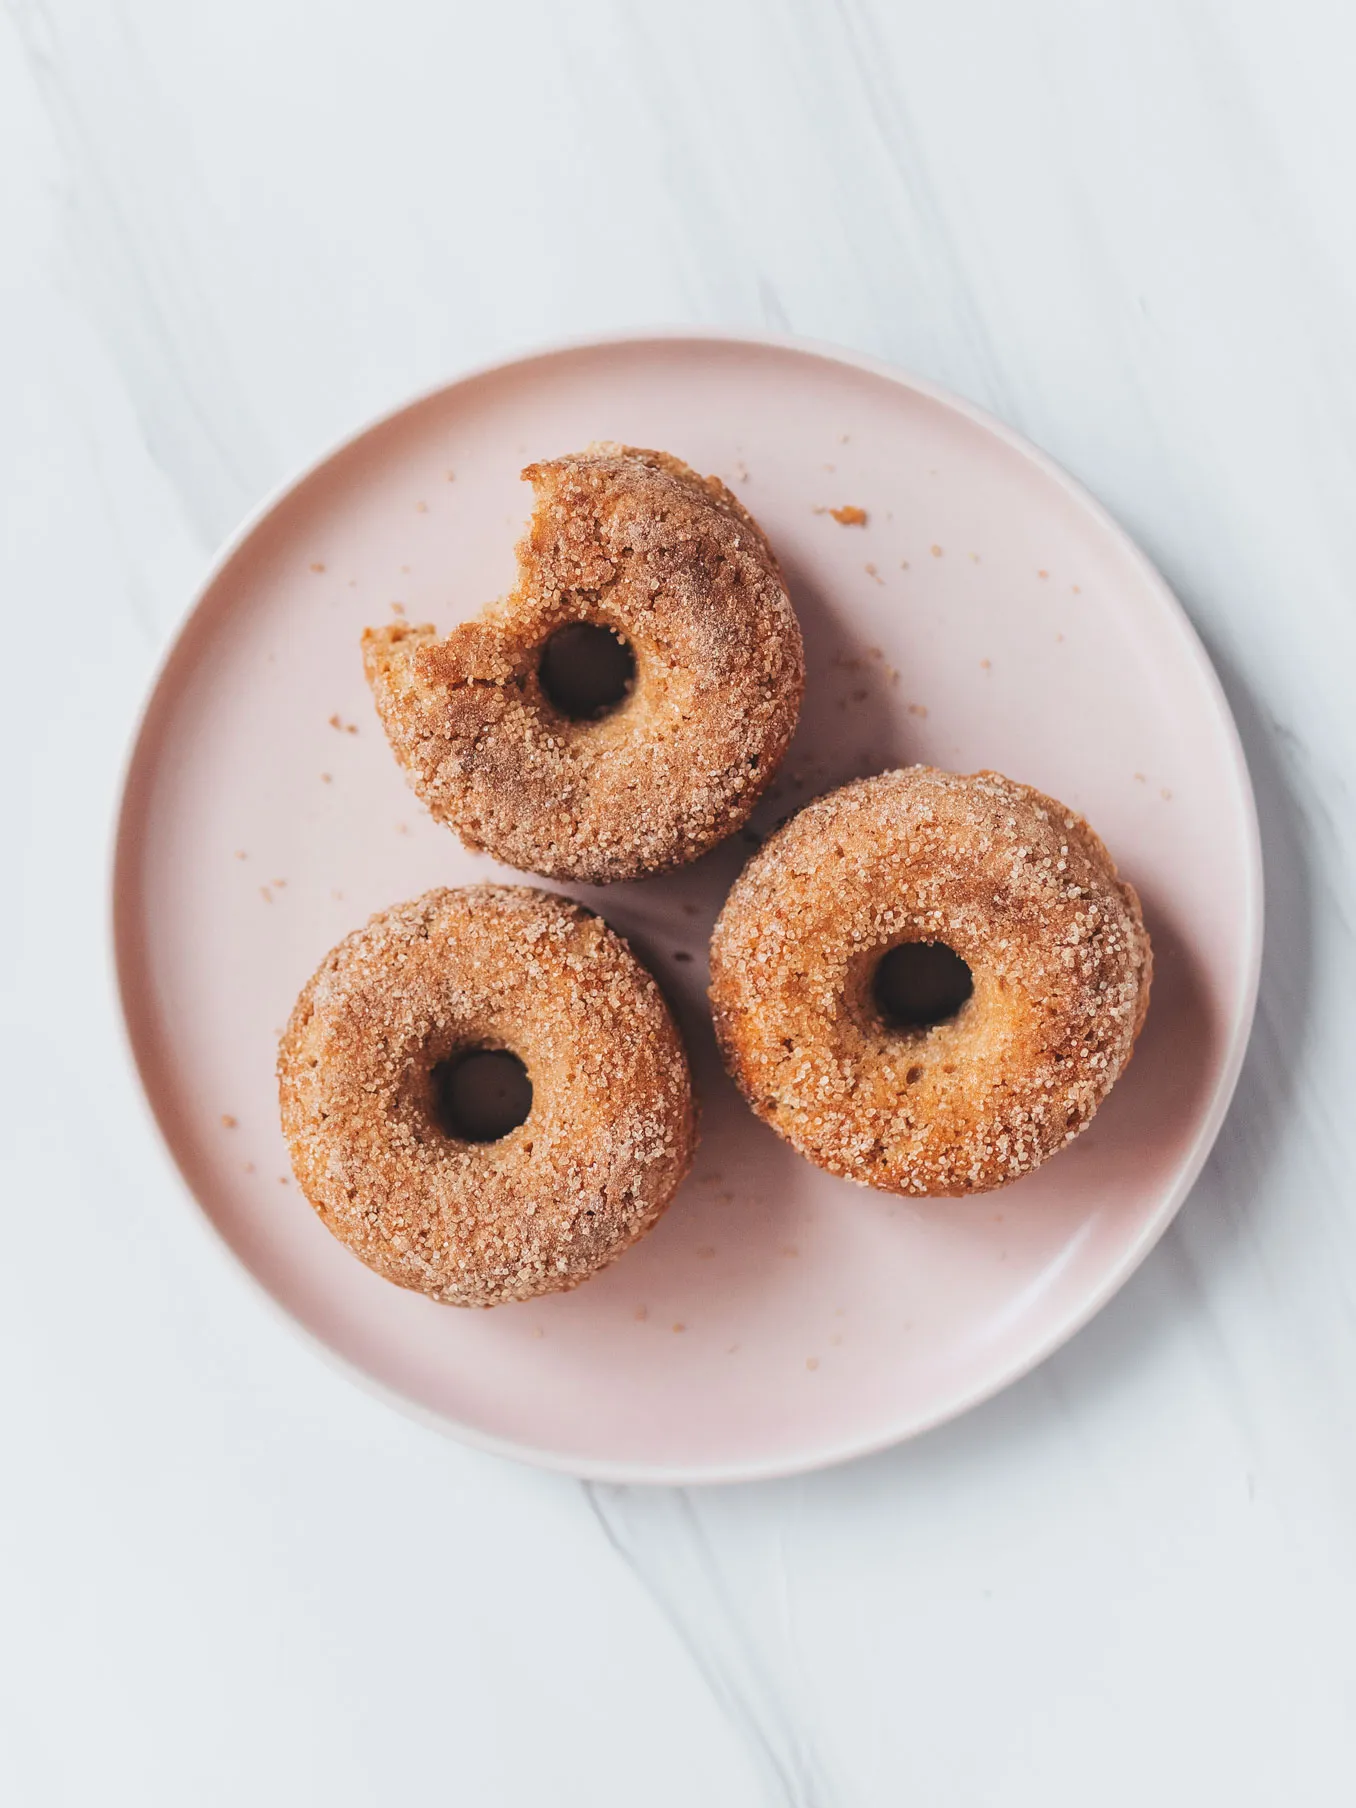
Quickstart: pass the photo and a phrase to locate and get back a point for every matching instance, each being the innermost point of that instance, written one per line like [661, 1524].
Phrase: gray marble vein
[659, 1534]
[129, 254]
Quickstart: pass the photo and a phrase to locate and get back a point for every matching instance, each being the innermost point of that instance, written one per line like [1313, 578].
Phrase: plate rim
[119, 931]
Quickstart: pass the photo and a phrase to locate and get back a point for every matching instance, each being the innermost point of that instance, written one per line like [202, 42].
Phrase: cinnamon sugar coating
[637, 542]
[612, 1126]
[1018, 886]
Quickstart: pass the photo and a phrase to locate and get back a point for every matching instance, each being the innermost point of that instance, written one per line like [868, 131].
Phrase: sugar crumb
[228, 1122]
[316, 565]
[849, 515]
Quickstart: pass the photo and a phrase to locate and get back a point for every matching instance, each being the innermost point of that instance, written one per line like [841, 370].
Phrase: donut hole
[919, 984]
[586, 670]
[481, 1094]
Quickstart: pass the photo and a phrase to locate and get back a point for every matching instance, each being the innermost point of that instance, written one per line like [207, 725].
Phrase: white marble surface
[227, 233]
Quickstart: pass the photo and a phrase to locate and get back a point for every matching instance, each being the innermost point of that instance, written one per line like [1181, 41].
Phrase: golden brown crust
[635, 541]
[609, 1137]
[1021, 888]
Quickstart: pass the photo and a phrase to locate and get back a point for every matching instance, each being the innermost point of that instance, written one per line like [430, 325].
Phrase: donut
[484, 1094]
[623, 709]
[927, 983]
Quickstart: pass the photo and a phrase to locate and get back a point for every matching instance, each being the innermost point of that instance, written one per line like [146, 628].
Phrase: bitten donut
[928, 983]
[622, 710]
[485, 1096]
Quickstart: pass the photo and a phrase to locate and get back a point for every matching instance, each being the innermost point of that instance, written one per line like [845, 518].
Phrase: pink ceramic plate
[987, 614]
